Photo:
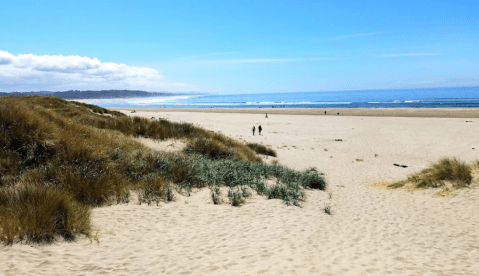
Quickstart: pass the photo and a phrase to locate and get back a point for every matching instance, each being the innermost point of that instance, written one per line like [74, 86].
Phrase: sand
[371, 231]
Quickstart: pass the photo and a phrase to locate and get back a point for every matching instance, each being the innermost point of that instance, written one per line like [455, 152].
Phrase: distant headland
[91, 94]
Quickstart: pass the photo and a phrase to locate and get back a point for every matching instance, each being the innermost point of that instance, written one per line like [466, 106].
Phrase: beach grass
[446, 170]
[58, 159]
[216, 148]
[216, 195]
[327, 209]
[37, 213]
[260, 149]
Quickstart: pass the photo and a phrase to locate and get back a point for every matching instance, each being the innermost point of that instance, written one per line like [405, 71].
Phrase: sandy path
[372, 231]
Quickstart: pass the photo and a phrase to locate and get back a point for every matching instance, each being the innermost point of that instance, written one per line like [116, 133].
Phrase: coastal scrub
[59, 159]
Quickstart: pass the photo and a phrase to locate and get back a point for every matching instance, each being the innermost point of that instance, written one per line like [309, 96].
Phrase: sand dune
[372, 231]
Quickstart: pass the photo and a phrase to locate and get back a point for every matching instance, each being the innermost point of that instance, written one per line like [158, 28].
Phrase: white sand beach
[371, 231]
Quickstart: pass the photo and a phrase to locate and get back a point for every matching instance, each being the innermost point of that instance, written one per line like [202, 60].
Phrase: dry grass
[260, 149]
[58, 159]
[86, 115]
[53, 156]
[452, 170]
[38, 213]
[216, 148]
[153, 189]
[447, 173]
[208, 147]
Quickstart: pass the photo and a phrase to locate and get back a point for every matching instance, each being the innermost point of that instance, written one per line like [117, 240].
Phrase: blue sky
[237, 46]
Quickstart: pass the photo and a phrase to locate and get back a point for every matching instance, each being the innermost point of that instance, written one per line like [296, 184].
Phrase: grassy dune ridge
[58, 159]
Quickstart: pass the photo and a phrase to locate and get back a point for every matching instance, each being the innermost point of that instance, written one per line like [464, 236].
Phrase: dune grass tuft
[456, 172]
[312, 179]
[211, 148]
[235, 197]
[37, 213]
[216, 195]
[260, 149]
[152, 190]
[327, 209]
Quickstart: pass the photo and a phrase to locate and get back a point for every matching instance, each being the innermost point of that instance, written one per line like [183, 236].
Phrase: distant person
[260, 129]
[325, 112]
[254, 129]
[266, 115]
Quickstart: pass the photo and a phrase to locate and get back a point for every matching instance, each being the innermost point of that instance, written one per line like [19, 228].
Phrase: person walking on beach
[266, 115]
[254, 128]
[260, 129]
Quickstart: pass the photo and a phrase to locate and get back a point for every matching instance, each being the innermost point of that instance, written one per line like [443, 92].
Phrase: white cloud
[6, 57]
[29, 72]
[408, 55]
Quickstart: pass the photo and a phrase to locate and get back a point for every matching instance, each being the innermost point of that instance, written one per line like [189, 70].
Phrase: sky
[231, 47]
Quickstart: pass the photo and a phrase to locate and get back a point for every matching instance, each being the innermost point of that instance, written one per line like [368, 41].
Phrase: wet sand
[375, 112]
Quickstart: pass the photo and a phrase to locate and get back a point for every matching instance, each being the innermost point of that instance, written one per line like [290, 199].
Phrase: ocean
[398, 98]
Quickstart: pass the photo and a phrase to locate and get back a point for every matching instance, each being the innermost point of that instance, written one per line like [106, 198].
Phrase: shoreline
[370, 112]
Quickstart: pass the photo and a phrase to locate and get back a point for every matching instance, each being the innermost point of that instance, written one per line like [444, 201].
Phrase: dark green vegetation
[58, 159]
